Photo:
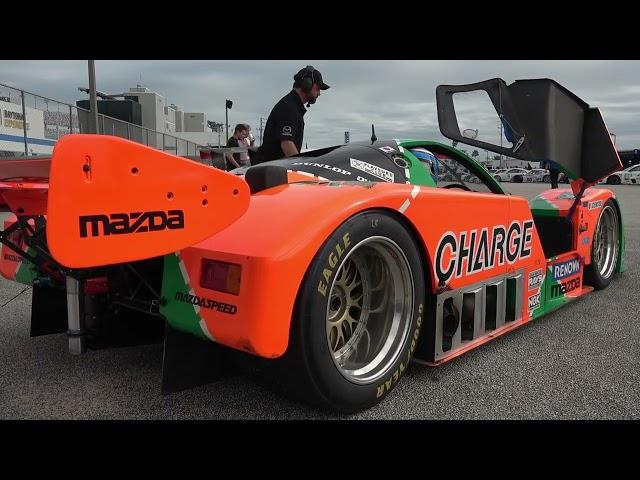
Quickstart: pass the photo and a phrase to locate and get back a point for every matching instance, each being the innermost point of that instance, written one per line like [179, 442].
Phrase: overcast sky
[397, 96]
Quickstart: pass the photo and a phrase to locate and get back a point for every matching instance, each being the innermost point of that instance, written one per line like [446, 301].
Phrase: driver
[430, 159]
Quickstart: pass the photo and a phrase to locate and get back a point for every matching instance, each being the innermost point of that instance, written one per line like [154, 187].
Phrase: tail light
[96, 286]
[220, 276]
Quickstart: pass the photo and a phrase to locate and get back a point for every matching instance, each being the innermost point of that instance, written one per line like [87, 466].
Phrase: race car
[330, 271]
[536, 175]
[511, 175]
[628, 176]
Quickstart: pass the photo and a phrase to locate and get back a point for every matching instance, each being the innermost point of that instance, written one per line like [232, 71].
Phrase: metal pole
[24, 124]
[261, 130]
[500, 143]
[70, 120]
[93, 99]
[226, 117]
[75, 320]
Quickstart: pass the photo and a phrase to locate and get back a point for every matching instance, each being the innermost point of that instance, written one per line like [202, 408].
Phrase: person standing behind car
[248, 141]
[284, 130]
[554, 172]
[237, 140]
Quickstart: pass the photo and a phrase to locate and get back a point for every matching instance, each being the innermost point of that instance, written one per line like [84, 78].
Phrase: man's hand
[232, 160]
[288, 148]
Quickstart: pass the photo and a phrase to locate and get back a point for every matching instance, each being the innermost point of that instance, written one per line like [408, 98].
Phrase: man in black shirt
[285, 126]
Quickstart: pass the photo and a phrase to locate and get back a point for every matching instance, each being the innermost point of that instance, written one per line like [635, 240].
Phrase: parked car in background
[628, 176]
[536, 175]
[511, 175]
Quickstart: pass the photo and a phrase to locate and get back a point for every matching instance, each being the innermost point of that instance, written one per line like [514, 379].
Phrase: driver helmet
[426, 156]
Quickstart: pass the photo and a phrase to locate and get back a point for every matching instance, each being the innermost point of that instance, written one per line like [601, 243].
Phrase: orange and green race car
[331, 270]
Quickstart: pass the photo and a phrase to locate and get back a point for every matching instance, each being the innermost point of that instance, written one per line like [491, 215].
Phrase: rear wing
[108, 200]
[543, 121]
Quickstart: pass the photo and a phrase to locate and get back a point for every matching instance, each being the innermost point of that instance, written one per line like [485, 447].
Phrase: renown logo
[566, 269]
[135, 222]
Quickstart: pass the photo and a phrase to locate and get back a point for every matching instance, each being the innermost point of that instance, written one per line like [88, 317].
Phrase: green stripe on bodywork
[544, 208]
[418, 171]
[406, 144]
[180, 315]
[27, 271]
[551, 304]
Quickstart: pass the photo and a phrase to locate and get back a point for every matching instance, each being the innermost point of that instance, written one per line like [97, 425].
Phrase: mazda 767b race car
[329, 271]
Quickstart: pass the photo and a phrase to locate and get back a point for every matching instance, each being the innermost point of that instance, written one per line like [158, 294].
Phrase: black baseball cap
[317, 76]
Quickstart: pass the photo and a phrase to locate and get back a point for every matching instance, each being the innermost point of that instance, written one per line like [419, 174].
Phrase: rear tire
[614, 180]
[604, 248]
[517, 179]
[546, 179]
[358, 315]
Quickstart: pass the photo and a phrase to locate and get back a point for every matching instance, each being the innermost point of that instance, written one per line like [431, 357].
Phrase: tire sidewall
[595, 278]
[337, 391]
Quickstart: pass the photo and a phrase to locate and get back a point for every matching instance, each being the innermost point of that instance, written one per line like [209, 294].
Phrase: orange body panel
[284, 227]
[587, 214]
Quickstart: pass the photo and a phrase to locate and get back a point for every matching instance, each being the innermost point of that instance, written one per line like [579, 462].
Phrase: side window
[450, 171]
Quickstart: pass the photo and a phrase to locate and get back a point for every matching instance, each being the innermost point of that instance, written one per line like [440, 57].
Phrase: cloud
[397, 96]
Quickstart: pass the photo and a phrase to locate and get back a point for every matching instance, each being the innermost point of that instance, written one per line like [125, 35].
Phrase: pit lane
[579, 362]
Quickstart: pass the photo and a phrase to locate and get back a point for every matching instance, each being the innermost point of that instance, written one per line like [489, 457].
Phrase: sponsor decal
[468, 252]
[135, 222]
[387, 149]
[12, 258]
[565, 269]
[596, 204]
[332, 262]
[13, 119]
[326, 167]
[388, 383]
[585, 240]
[286, 131]
[535, 279]
[566, 287]
[203, 302]
[379, 172]
[534, 301]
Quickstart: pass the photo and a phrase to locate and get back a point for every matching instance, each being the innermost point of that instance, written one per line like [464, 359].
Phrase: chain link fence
[31, 124]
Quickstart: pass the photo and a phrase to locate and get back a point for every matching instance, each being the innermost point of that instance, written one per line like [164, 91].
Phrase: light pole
[215, 127]
[614, 138]
[93, 99]
[227, 107]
